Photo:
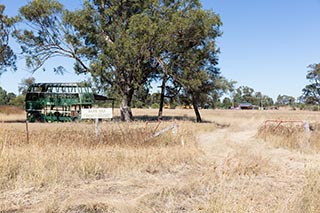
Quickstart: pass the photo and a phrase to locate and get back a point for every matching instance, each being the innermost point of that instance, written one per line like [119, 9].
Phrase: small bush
[155, 106]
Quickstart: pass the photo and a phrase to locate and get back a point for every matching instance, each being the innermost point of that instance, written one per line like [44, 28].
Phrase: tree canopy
[122, 43]
[311, 92]
[7, 56]
[44, 34]
[192, 55]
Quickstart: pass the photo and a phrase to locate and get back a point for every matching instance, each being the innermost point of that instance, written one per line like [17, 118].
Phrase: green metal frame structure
[59, 102]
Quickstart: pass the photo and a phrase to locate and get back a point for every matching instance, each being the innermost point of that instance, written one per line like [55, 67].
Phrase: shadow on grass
[147, 118]
[164, 118]
[12, 121]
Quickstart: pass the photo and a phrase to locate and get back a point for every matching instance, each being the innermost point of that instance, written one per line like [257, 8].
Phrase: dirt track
[247, 173]
[265, 178]
[235, 172]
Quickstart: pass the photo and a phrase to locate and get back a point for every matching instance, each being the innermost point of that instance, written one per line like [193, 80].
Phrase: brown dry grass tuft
[11, 113]
[293, 137]
[65, 152]
[5, 109]
[244, 163]
[65, 168]
[63, 155]
[310, 200]
[288, 136]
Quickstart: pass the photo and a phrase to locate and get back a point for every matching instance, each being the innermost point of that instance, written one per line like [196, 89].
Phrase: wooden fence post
[27, 129]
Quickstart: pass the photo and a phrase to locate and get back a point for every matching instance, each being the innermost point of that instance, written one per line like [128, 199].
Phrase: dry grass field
[231, 163]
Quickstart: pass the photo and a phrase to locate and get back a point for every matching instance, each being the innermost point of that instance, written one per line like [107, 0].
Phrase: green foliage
[128, 39]
[193, 53]
[119, 39]
[18, 101]
[7, 56]
[141, 98]
[6, 98]
[222, 86]
[227, 103]
[245, 94]
[308, 107]
[45, 34]
[311, 92]
[155, 106]
[285, 100]
[121, 44]
[3, 97]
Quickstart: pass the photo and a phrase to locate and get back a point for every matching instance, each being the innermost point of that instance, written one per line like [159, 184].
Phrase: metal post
[306, 126]
[97, 128]
[112, 108]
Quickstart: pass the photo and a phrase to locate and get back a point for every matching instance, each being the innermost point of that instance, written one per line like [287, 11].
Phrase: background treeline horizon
[125, 46]
[144, 98]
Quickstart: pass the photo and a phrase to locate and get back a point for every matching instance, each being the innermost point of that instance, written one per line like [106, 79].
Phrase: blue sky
[10, 80]
[266, 45]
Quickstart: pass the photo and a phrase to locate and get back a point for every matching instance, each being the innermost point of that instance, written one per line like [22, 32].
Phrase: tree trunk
[196, 110]
[163, 90]
[125, 109]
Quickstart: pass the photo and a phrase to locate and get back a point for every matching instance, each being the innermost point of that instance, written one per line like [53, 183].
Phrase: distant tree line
[245, 94]
[127, 45]
[144, 98]
[6, 98]
[13, 99]
[242, 94]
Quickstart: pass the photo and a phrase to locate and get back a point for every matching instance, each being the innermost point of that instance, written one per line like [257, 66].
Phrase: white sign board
[94, 113]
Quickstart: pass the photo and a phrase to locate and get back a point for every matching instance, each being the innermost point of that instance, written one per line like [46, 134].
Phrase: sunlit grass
[63, 162]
